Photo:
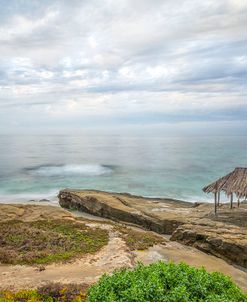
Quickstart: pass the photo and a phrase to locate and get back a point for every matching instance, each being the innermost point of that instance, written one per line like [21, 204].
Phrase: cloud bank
[127, 62]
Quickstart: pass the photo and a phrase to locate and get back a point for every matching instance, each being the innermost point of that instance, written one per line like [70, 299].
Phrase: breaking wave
[70, 170]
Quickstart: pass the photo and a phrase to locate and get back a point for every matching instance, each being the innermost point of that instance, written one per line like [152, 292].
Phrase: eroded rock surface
[190, 224]
[222, 240]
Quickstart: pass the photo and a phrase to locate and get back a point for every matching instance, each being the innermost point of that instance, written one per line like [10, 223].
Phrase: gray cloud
[123, 61]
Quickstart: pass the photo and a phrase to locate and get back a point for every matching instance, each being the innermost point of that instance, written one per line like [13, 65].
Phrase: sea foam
[71, 170]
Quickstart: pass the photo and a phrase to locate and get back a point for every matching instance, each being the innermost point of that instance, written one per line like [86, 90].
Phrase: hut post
[232, 183]
[215, 202]
[218, 201]
[231, 200]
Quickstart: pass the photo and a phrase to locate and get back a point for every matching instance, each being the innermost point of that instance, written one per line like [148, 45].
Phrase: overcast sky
[118, 63]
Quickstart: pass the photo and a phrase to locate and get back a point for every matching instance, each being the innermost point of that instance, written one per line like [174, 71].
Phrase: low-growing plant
[161, 282]
[52, 292]
[138, 239]
[64, 293]
[47, 241]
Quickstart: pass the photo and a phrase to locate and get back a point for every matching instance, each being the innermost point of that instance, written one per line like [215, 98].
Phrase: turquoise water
[35, 167]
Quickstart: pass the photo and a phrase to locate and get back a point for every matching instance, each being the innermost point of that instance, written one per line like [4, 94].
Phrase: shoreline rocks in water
[224, 236]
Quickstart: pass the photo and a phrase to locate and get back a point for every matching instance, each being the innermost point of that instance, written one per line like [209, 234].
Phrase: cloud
[126, 61]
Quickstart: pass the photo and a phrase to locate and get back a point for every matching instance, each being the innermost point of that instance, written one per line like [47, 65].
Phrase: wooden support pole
[238, 202]
[215, 203]
[218, 198]
[231, 200]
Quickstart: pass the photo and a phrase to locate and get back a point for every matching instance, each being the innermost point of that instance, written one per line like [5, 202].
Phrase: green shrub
[157, 282]
[167, 283]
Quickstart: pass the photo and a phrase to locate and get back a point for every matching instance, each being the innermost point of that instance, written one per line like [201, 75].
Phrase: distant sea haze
[37, 167]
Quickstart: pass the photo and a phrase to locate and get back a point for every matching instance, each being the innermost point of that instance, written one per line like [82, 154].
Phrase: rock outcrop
[141, 211]
[222, 240]
[188, 223]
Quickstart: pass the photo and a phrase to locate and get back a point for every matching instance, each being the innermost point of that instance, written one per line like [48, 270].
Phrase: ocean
[37, 167]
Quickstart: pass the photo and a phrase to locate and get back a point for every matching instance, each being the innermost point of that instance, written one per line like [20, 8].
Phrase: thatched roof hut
[233, 183]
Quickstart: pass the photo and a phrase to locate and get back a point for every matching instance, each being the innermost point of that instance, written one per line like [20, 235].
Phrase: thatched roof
[234, 182]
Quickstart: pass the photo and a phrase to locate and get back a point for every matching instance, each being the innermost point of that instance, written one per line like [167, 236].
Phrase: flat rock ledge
[224, 236]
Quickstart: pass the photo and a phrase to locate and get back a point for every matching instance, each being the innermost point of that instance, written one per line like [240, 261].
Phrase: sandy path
[85, 270]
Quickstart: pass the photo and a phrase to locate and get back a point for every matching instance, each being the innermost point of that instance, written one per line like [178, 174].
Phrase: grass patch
[47, 241]
[161, 282]
[53, 292]
[138, 240]
[135, 239]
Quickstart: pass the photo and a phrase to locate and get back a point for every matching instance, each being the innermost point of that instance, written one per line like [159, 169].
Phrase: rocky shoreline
[126, 246]
[224, 236]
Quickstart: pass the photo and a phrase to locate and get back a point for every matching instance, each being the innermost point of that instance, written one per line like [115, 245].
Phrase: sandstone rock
[188, 223]
[229, 243]
[127, 208]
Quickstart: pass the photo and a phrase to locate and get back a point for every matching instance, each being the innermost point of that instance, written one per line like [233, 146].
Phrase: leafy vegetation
[138, 240]
[159, 282]
[53, 292]
[162, 282]
[47, 241]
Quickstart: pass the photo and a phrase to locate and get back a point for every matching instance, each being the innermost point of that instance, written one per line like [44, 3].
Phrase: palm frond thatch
[234, 182]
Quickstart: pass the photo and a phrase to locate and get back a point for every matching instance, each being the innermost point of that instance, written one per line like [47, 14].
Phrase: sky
[174, 66]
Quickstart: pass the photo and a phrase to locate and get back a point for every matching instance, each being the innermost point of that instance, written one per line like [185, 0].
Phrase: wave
[70, 170]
